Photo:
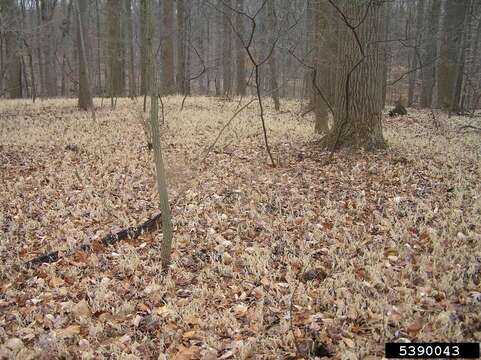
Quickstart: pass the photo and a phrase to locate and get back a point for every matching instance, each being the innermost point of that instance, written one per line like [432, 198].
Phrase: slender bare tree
[167, 228]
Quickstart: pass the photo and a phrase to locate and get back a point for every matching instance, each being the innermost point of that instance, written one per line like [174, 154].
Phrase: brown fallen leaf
[193, 335]
[227, 259]
[150, 323]
[187, 353]
[56, 282]
[415, 326]
[391, 254]
[69, 331]
[349, 343]
[240, 310]
[81, 309]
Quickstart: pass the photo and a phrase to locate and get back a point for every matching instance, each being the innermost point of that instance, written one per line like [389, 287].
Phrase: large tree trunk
[167, 48]
[84, 92]
[227, 51]
[240, 52]
[114, 48]
[358, 106]
[451, 38]
[430, 54]
[14, 70]
[181, 36]
[273, 74]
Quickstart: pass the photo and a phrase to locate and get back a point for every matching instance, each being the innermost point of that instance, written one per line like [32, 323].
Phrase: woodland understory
[311, 258]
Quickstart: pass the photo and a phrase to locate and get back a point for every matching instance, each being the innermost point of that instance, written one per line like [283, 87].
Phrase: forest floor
[335, 257]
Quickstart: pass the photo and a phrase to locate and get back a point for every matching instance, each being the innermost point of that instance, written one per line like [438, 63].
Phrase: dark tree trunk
[227, 51]
[416, 53]
[181, 56]
[167, 48]
[240, 52]
[14, 61]
[451, 38]
[130, 42]
[274, 88]
[84, 96]
[144, 49]
[114, 48]
[358, 105]
[430, 54]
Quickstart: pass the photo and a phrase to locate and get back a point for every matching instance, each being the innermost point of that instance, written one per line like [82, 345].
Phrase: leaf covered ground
[269, 263]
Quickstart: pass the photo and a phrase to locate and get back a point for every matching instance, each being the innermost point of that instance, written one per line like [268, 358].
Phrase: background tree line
[430, 49]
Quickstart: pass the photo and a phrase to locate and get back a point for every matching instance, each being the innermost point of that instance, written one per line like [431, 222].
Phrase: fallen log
[132, 232]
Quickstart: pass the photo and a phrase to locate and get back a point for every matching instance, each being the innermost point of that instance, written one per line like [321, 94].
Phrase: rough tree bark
[358, 106]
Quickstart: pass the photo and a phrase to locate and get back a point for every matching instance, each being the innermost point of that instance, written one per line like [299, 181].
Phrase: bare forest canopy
[430, 48]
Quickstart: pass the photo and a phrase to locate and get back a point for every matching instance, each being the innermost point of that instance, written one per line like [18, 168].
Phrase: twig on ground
[469, 127]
